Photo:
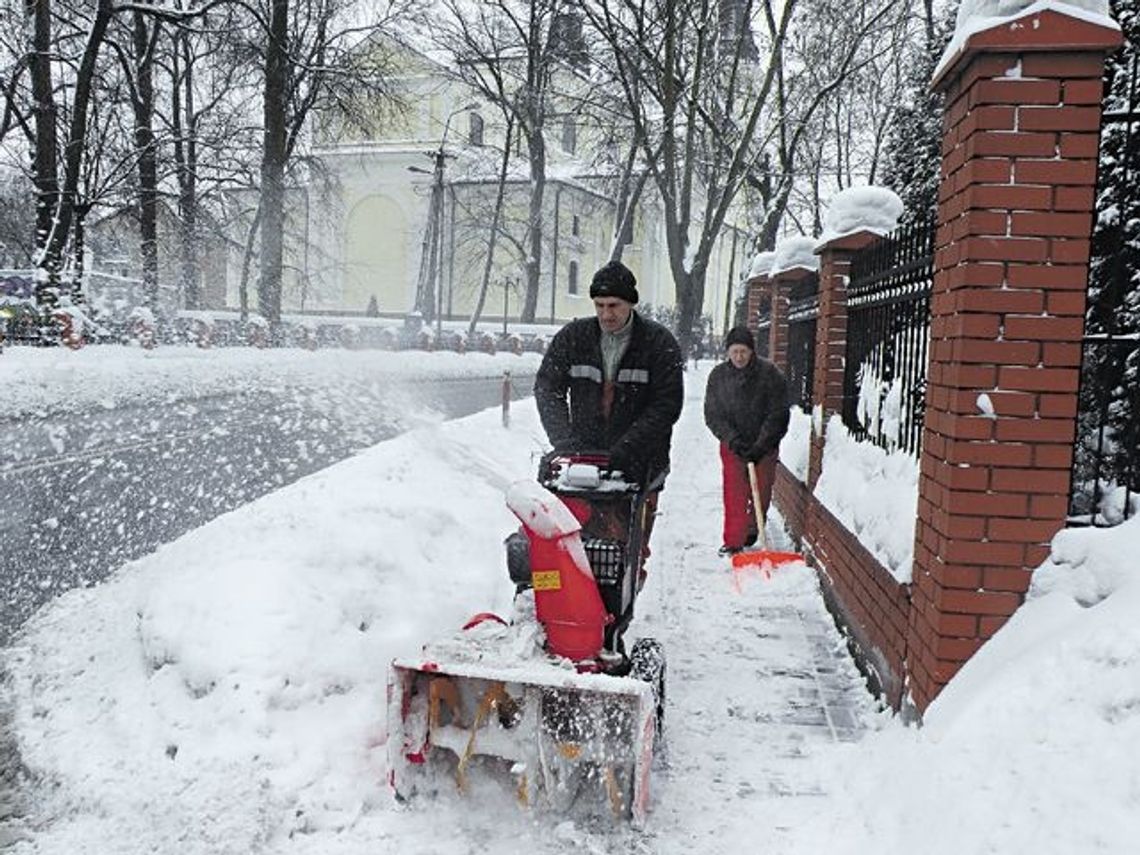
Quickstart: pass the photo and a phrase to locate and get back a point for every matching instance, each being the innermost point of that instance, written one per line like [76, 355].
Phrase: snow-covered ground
[38, 382]
[226, 694]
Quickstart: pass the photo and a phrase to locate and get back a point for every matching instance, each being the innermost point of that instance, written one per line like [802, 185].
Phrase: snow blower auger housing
[549, 706]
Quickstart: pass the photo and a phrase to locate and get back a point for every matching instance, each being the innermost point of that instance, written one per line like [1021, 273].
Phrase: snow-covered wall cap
[861, 209]
[761, 264]
[792, 252]
[976, 16]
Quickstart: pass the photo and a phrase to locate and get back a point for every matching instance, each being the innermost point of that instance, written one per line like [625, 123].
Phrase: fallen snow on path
[226, 694]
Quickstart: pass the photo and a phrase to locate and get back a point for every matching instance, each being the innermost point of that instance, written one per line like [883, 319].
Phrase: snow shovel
[762, 558]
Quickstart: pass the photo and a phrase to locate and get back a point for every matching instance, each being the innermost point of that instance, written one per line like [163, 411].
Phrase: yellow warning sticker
[546, 580]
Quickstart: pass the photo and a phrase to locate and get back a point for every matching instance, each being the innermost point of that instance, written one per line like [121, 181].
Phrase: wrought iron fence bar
[888, 318]
[803, 310]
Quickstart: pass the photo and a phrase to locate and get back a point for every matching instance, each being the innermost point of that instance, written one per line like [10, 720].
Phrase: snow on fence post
[1020, 139]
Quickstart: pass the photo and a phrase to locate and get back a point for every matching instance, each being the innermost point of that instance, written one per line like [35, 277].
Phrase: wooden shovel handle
[754, 481]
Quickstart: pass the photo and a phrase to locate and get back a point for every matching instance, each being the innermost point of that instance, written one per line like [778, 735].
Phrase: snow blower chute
[548, 706]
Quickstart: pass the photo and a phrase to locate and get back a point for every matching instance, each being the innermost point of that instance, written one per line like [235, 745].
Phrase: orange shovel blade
[760, 557]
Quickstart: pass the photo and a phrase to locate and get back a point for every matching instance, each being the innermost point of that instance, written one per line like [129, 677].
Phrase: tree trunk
[52, 258]
[537, 148]
[628, 200]
[493, 237]
[147, 158]
[246, 263]
[45, 166]
[273, 167]
[185, 131]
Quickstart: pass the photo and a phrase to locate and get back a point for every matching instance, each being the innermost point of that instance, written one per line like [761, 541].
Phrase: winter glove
[739, 447]
[759, 451]
[621, 461]
[567, 446]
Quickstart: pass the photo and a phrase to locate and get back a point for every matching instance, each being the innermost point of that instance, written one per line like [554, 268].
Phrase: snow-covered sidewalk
[226, 693]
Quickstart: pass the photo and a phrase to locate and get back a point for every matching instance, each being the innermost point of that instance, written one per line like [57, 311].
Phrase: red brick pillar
[1020, 135]
[831, 337]
[758, 290]
[782, 284]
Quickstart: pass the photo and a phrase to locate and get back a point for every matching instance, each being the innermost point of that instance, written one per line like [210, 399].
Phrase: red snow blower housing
[550, 703]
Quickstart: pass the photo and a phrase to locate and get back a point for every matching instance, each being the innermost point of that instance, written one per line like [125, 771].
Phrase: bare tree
[312, 56]
[494, 228]
[714, 111]
[509, 51]
[212, 87]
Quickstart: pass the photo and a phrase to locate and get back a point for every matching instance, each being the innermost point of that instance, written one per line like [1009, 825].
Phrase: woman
[746, 408]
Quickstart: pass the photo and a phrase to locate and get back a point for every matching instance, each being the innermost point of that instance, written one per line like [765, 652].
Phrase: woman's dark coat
[747, 408]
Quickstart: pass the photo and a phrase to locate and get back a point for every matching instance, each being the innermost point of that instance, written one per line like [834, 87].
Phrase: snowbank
[873, 493]
[796, 444]
[209, 674]
[1030, 747]
[40, 381]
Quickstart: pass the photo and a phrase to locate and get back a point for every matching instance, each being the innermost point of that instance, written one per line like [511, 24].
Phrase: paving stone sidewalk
[762, 690]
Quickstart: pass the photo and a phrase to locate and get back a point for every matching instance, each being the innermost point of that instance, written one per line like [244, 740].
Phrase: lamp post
[506, 302]
[429, 294]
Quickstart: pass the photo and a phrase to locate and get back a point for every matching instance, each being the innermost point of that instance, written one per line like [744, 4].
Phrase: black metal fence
[1106, 461]
[803, 312]
[888, 330]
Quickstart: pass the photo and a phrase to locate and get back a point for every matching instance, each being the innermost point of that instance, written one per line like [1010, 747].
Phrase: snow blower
[548, 707]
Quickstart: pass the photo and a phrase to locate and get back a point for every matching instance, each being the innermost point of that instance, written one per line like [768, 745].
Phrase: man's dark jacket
[747, 408]
[648, 392]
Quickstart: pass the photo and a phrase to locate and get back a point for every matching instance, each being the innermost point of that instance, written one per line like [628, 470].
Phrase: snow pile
[796, 444]
[873, 493]
[793, 252]
[1089, 564]
[761, 264]
[246, 662]
[40, 381]
[872, 209]
[1030, 747]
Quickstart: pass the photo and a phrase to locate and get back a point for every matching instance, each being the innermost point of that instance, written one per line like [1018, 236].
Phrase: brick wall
[1018, 179]
[792, 498]
[1020, 136]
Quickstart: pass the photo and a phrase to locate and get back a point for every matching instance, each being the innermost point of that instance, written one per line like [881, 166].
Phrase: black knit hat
[614, 279]
[740, 335]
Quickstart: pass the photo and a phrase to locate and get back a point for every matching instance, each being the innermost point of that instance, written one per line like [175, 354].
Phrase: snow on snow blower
[548, 706]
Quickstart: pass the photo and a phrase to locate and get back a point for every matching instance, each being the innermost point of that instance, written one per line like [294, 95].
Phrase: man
[612, 383]
[746, 408]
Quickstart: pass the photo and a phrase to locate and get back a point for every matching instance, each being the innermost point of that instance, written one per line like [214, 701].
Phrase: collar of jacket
[633, 328]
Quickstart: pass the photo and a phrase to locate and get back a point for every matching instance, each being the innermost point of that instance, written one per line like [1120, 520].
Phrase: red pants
[739, 517]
